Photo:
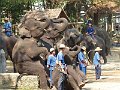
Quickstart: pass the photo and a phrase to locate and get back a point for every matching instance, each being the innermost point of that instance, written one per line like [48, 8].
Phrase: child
[81, 58]
[96, 62]
[51, 62]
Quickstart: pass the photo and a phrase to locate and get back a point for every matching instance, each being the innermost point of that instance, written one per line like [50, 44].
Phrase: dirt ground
[110, 79]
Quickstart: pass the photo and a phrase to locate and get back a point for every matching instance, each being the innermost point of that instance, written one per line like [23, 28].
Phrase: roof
[51, 13]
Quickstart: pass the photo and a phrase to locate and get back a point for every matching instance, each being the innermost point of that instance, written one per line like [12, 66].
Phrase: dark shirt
[90, 30]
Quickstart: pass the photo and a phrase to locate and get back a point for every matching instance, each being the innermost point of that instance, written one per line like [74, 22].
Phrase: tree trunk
[96, 19]
[44, 4]
[109, 22]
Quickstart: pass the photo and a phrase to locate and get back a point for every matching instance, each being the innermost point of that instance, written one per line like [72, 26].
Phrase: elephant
[53, 32]
[3, 45]
[91, 45]
[72, 37]
[33, 28]
[28, 58]
[103, 34]
[9, 44]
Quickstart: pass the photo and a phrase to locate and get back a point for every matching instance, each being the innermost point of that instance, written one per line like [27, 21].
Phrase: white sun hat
[83, 47]
[52, 49]
[6, 19]
[98, 49]
[62, 46]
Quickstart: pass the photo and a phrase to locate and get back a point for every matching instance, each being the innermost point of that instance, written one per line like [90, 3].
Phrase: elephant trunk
[60, 24]
[44, 22]
[74, 53]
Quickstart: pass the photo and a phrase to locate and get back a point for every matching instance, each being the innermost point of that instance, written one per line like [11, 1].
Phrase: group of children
[51, 63]
[53, 60]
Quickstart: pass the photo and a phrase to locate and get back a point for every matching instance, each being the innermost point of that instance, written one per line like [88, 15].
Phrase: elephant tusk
[41, 56]
[45, 30]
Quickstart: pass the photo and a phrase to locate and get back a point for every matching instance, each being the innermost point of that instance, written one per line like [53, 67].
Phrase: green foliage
[14, 8]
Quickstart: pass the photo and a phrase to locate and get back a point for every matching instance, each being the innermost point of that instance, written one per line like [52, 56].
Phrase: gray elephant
[9, 44]
[72, 37]
[102, 34]
[3, 45]
[28, 58]
[105, 36]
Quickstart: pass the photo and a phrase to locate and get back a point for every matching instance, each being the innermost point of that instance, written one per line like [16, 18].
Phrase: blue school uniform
[51, 62]
[96, 62]
[7, 27]
[60, 57]
[81, 58]
[90, 30]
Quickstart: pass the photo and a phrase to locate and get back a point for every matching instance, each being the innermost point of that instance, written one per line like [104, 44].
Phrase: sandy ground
[110, 79]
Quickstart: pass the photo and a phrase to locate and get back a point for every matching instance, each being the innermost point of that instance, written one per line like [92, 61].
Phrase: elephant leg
[104, 58]
[75, 75]
[42, 80]
[34, 68]
[15, 71]
[73, 83]
[80, 73]
[55, 77]
[18, 78]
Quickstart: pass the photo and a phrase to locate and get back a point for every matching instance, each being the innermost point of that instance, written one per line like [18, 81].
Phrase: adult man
[51, 62]
[90, 30]
[82, 61]
[96, 62]
[7, 27]
[61, 63]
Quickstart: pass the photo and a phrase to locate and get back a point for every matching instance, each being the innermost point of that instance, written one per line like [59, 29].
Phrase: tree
[14, 8]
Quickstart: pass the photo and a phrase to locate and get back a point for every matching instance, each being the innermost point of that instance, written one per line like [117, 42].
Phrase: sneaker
[51, 86]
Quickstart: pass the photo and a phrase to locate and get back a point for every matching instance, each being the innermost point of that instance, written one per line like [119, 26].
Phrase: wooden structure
[103, 11]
